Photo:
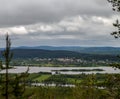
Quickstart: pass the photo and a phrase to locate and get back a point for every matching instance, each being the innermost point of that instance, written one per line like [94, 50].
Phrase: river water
[21, 69]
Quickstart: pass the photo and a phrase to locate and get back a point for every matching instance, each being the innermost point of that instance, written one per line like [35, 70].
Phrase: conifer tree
[14, 85]
[1, 66]
[7, 56]
[116, 7]
[113, 81]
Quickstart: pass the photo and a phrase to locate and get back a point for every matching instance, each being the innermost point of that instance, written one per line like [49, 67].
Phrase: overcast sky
[57, 22]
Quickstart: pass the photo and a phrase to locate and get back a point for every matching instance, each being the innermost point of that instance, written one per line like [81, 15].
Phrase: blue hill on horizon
[88, 50]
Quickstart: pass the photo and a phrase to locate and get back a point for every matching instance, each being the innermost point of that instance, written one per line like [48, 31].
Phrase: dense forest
[33, 53]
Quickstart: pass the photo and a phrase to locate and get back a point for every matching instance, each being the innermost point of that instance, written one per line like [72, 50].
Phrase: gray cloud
[24, 12]
[57, 22]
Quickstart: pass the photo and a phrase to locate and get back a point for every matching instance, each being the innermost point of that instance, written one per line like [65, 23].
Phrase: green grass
[33, 76]
[42, 77]
[73, 80]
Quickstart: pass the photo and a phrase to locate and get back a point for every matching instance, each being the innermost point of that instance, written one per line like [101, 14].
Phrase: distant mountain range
[87, 50]
[33, 53]
[87, 53]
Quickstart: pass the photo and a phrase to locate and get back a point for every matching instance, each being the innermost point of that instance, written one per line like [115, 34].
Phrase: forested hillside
[32, 53]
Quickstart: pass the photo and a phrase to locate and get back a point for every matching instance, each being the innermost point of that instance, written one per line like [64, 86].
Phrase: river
[21, 69]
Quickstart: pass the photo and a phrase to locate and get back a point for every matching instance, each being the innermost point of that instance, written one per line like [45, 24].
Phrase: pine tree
[116, 7]
[113, 81]
[7, 56]
[1, 66]
[14, 85]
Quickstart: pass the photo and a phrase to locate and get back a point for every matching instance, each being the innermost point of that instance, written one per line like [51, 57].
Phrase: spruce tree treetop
[116, 7]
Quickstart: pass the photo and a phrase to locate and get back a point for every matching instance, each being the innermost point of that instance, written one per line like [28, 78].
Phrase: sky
[57, 23]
